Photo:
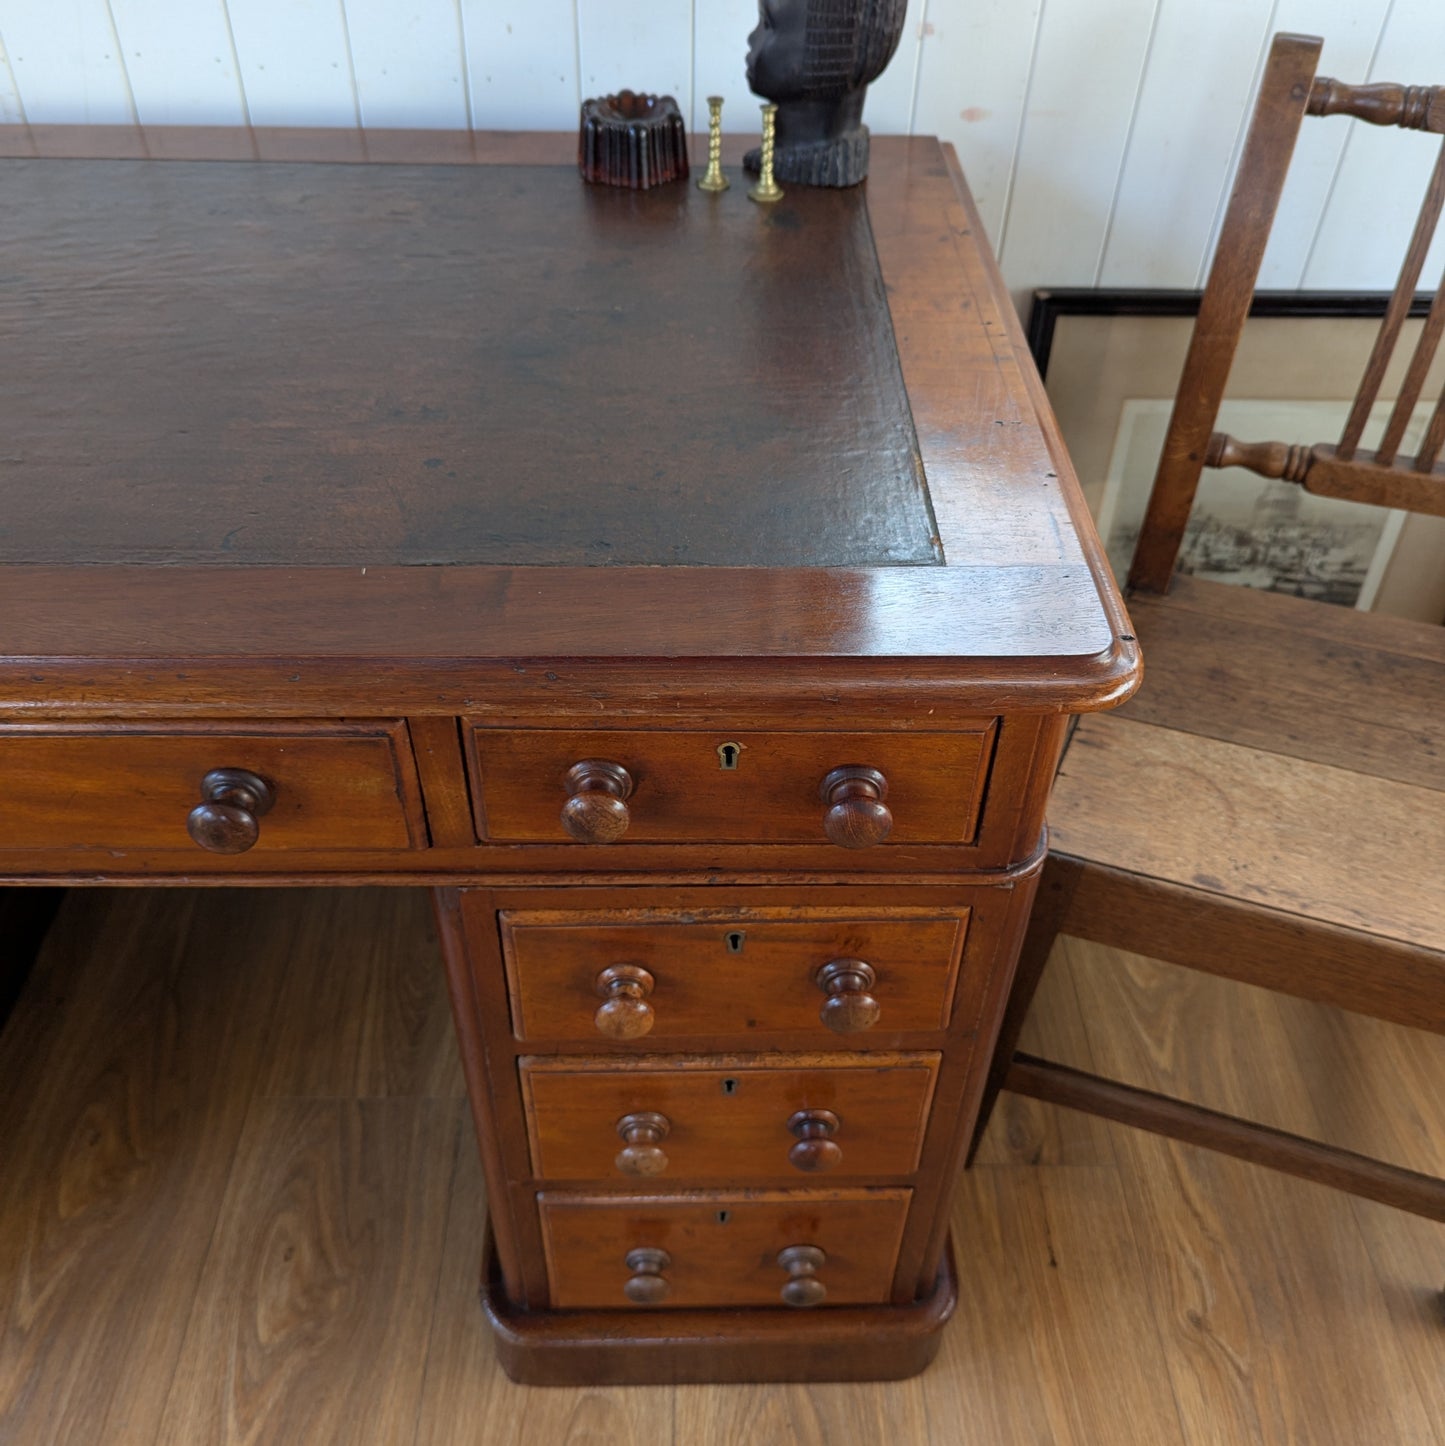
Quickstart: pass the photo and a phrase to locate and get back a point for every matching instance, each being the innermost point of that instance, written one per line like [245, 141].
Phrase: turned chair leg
[1051, 907]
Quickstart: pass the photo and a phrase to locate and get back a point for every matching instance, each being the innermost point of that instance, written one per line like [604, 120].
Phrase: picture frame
[1111, 361]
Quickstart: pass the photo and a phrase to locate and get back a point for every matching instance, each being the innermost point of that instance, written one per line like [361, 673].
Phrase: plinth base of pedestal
[636, 1348]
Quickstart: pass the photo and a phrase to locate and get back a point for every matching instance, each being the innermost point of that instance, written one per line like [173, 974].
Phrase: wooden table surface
[165, 506]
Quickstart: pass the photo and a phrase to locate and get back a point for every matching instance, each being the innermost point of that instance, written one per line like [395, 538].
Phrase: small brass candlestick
[714, 180]
[767, 189]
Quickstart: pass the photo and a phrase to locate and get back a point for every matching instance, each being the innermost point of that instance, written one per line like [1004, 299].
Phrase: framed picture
[1111, 361]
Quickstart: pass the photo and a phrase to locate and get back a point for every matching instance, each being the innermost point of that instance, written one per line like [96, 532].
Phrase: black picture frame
[1102, 388]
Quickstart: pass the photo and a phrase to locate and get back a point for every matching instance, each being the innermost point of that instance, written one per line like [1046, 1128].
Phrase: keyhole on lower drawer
[734, 940]
[730, 1087]
[728, 754]
[723, 1216]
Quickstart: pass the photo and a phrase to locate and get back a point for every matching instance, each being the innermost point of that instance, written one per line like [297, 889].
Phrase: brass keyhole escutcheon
[728, 755]
[734, 940]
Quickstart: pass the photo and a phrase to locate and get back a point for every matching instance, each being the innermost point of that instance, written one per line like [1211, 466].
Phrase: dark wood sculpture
[816, 59]
[1271, 810]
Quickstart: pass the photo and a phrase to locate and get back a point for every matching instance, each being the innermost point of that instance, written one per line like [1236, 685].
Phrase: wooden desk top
[282, 424]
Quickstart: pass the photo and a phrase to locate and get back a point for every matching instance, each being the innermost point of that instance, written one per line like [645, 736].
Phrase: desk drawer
[647, 975]
[331, 785]
[695, 787]
[732, 1118]
[837, 1247]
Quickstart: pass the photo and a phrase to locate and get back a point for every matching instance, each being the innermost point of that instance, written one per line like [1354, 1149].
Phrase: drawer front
[678, 791]
[837, 1247]
[332, 786]
[646, 975]
[746, 1118]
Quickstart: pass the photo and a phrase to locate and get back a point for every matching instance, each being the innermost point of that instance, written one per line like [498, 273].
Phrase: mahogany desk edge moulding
[692, 594]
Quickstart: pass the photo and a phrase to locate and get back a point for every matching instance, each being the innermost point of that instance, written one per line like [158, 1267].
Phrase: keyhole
[730, 1087]
[723, 1216]
[727, 754]
[734, 940]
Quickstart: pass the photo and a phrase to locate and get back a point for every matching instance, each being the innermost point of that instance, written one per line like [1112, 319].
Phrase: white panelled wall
[1099, 135]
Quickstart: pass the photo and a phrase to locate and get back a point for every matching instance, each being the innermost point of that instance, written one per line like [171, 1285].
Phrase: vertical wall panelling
[1087, 71]
[295, 62]
[1182, 140]
[408, 62]
[66, 62]
[11, 111]
[1383, 174]
[972, 79]
[720, 47]
[625, 45]
[522, 63]
[1351, 30]
[1100, 136]
[180, 62]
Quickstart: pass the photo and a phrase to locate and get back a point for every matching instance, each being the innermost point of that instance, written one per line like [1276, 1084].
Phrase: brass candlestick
[714, 180]
[767, 189]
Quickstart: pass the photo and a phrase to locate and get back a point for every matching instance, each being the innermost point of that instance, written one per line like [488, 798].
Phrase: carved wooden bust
[816, 58]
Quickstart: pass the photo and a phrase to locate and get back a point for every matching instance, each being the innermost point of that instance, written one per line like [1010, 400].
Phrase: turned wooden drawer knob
[816, 1149]
[233, 802]
[647, 1285]
[803, 1288]
[849, 1007]
[640, 1134]
[596, 807]
[857, 816]
[624, 1012]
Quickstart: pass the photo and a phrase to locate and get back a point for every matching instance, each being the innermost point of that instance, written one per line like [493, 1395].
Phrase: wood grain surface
[1259, 826]
[1116, 1287]
[722, 1248]
[493, 1056]
[1249, 1052]
[1361, 691]
[1008, 831]
[748, 972]
[25, 915]
[332, 1221]
[729, 1116]
[681, 794]
[82, 787]
[1022, 579]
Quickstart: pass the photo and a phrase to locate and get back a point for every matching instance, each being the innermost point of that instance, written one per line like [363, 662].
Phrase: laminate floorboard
[1239, 1301]
[317, 1296]
[1025, 1131]
[240, 1202]
[378, 1026]
[465, 1397]
[127, 1065]
[1053, 1337]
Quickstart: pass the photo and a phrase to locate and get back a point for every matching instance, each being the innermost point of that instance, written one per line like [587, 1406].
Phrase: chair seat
[1284, 753]
[1271, 808]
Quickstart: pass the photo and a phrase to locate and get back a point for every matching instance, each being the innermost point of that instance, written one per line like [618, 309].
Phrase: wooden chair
[1271, 806]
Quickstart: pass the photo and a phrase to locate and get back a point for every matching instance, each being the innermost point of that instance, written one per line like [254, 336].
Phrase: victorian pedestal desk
[691, 593]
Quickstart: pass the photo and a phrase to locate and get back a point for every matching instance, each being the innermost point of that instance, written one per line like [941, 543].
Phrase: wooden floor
[239, 1202]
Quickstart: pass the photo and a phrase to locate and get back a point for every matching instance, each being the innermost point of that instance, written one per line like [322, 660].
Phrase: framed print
[1111, 361]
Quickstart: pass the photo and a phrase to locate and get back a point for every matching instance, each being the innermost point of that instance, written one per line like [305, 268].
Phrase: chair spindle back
[1288, 92]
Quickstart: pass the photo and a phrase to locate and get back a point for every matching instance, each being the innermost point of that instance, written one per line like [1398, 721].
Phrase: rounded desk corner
[1119, 672]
